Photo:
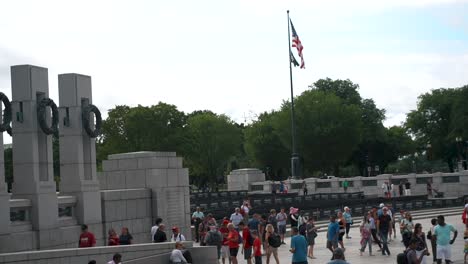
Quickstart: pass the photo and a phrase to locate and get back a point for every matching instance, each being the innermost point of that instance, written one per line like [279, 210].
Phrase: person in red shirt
[247, 244]
[225, 246]
[257, 247]
[87, 239]
[113, 239]
[233, 242]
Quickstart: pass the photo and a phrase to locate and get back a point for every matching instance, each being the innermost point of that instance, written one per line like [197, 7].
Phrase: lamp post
[459, 141]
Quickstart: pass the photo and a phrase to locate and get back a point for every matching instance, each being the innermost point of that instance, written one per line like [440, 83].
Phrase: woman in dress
[422, 246]
[311, 233]
[366, 235]
[342, 224]
[349, 220]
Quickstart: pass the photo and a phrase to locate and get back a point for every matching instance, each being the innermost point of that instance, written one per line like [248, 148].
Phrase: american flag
[296, 42]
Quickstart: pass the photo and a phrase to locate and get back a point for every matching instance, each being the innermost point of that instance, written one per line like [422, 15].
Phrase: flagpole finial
[287, 11]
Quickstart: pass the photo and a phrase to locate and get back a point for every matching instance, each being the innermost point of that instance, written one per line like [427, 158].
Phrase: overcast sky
[231, 56]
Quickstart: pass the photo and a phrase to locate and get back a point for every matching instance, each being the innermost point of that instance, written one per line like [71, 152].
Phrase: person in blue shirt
[298, 247]
[332, 234]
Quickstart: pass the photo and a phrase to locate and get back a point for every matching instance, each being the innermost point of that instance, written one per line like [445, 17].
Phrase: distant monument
[133, 190]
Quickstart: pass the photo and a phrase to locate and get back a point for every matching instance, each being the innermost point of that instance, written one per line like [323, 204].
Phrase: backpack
[187, 256]
[214, 239]
[251, 240]
[302, 229]
[402, 258]
[274, 240]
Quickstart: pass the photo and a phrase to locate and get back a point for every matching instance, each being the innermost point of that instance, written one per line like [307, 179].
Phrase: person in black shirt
[383, 226]
[125, 238]
[160, 235]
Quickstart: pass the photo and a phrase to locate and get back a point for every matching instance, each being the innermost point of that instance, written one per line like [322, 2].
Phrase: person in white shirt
[116, 259]
[236, 217]
[176, 235]
[157, 222]
[246, 209]
[176, 255]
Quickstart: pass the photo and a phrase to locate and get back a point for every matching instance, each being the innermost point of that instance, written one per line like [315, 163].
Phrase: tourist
[257, 245]
[365, 229]
[383, 225]
[233, 242]
[298, 247]
[87, 239]
[345, 185]
[236, 217]
[160, 235]
[281, 219]
[332, 234]
[412, 256]
[386, 189]
[407, 188]
[421, 247]
[176, 235]
[197, 218]
[400, 188]
[293, 216]
[342, 225]
[247, 242]
[214, 238]
[432, 239]
[245, 209]
[304, 188]
[311, 234]
[349, 220]
[272, 220]
[262, 230]
[176, 254]
[225, 254]
[125, 238]
[465, 215]
[338, 257]
[116, 259]
[157, 222]
[429, 189]
[442, 235]
[113, 239]
[465, 237]
[406, 228]
[254, 222]
[281, 187]
[273, 242]
[372, 221]
[393, 190]
[204, 227]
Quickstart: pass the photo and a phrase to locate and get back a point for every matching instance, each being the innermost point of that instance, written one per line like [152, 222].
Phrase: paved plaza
[352, 247]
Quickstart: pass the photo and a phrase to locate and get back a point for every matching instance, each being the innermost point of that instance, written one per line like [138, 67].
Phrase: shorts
[247, 253]
[225, 252]
[272, 250]
[258, 259]
[233, 252]
[444, 252]
[333, 244]
[340, 236]
[282, 229]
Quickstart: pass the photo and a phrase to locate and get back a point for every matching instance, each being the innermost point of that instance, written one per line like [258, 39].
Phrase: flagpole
[294, 155]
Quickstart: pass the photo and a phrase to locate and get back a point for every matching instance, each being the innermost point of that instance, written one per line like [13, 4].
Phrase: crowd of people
[258, 237]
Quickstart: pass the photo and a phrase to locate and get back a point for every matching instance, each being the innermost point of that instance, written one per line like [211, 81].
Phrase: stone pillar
[32, 149]
[77, 149]
[4, 196]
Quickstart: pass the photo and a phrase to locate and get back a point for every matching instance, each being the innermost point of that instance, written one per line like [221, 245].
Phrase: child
[257, 245]
[465, 236]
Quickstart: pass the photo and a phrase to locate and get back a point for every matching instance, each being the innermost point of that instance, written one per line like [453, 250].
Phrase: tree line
[338, 133]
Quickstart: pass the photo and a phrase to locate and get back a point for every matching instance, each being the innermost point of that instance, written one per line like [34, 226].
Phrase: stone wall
[164, 178]
[452, 184]
[130, 254]
[239, 180]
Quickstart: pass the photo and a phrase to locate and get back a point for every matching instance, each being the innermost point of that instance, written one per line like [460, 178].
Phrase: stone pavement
[352, 247]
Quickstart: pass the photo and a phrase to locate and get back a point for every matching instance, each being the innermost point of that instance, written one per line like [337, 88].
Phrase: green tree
[154, 128]
[210, 142]
[328, 129]
[264, 147]
[438, 121]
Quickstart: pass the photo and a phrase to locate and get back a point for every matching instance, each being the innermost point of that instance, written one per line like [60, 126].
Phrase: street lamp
[459, 141]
